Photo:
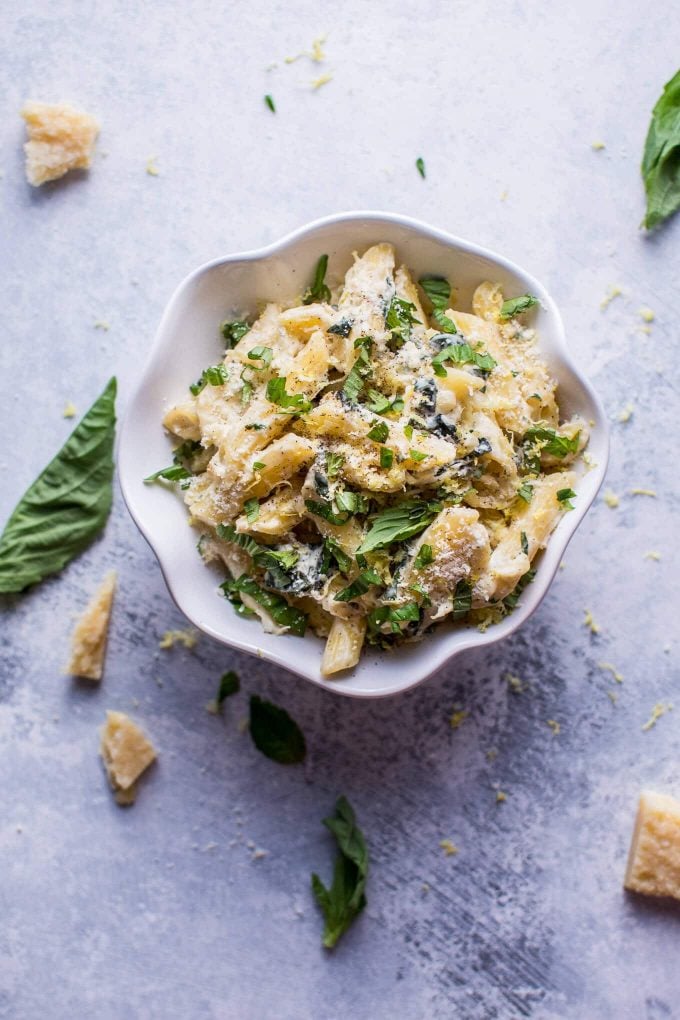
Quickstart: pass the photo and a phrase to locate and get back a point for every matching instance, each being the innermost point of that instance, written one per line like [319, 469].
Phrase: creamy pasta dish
[370, 462]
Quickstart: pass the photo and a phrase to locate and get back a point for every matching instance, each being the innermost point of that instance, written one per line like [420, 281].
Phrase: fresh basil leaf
[174, 473]
[379, 431]
[280, 611]
[66, 506]
[462, 354]
[334, 462]
[292, 403]
[515, 306]
[262, 555]
[420, 166]
[263, 354]
[229, 684]
[661, 157]
[547, 440]
[251, 509]
[417, 455]
[275, 733]
[254, 427]
[394, 616]
[318, 291]
[352, 502]
[332, 551]
[214, 375]
[380, 404]
[386, 458]
[269, 102]
[364, 581]
[564, 497]
[526, 492]
[399, 523]
[342, 328]
[462, 599]
[524, 542]
[438, 290]
[325, 510]
[346, 898]
[399, 320]
[360, 370]
[419, 590]
[234, 331]
[510, 601]
[424, 557]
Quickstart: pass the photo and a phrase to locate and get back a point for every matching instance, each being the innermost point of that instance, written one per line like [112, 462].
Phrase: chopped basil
[346, 898]
[420, 166]
[515, 306]
[258, 465]
[214, 375]
[175, 473]
[379, 432]
[255, 426]
[364, 581]
[277, 607]
[246, 392]
[564, 496]
[178, 472]
[351, 502]
[416, 455]
[408, 431]
[275, 733]
[380, 404]
[360, 370]
[539, 439]
[419, 590]
[424, 558]
[234, 331]
[462, 599]
[510, 601]
[526, 492]
[438, 290]
[462, 354]
[334, 462]
[386, 458]
[263, 354]
[262, 555]
[399, 523]
[270, 103]
[251, 508]
[524, 542]
[399, 320]
[326, 511]
[342, 328]
[661, 159]
[395, 616]
[318, 291]
[290, 403]
[229, 684]
[332, 551]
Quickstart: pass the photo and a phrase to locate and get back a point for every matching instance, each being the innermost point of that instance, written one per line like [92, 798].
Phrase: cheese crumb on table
[554, 726]
[170, 638]
[611, 499]
[126, 753]
[646, 314]
[609, 668]
[653, 555]
[91, 631]
[597, 146]
[589, 622]
[448, 847]
[151, 167]
[500, 796]
[515, 683]
[458, 718]
[321, 80]
[626, 413]
[69, 411]
[659, 709]
[643, 492]
[612, 293]
[653, 866]
[60, 138]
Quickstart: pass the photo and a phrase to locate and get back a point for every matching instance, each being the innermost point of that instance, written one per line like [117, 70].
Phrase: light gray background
[161, 911]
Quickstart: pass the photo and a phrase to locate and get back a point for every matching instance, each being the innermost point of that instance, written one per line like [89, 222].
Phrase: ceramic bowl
[188, 339]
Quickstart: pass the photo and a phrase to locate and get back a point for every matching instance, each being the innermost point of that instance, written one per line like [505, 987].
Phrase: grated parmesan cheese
[170, 638]
[60, 138]
[643, 492]
[589, 622]
[611, 499]
[90, 634]
[609, 668]
[458, 718]
[448, 847]
[613, 292]
[659, 709]
[70, 410]
[554, 726]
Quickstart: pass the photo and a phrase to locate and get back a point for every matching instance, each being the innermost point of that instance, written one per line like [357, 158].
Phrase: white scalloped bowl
[188, 339]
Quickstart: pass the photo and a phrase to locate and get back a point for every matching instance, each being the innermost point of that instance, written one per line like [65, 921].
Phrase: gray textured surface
[161, 911]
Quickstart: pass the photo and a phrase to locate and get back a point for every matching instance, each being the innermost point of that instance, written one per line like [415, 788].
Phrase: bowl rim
[551, 556]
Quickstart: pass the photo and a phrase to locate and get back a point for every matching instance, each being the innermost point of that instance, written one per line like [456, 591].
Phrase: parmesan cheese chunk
[60, 138]
[126, 753]
[89, 636]
[654, 859]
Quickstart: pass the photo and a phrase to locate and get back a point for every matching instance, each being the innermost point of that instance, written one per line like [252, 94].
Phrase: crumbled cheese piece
[126, 753]
[626, 413]
[597, 146]
[653, 866]
[151, 167]
[589, 622]
[504, 195]
[448, 847]
[643, 492]
[588, 460]
[70, 410]
[170, 638]
[60, 138]
[492, 754]
[458, 718]
[652, 555]
[317, 54]
[611, 499]
[612, 697]
[500, 796]
[646, 314]
[515, 683]
[612, 293]
[103, 325]
[89, 636]
[323, 79]
[659, 709]
[607, 666]
[554, 726]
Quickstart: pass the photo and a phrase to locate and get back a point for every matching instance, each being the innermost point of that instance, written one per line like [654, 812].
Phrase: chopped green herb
[364, 581]
[399, 320]
[246, 388]
[262, 555]
[526, 492]
[263, 354]
[318, 291]
[524, 542]
[332, 551]
[175, 473]
[564, 496]
[66, 506]
[386, 458]
[380, 404]
[379, 432]
[408, 432]
[462, 599]
[462, 354]
[234, 331]
[352, 502]
[360, 370]
[419, 590]
[546, 440]
[342, 328]
[215, 375]
[258, 465]
[255, 426]
[277, 607]
[399, 523]
[346, 898]
[417, 455]
[290, 403]
[438, 290]
[420, 166]
[275, 733]
[270, 103]
[326, 511]
[229, 684]
[334, 462]
[408, 613]
[515, 306]
[424, 558]
[510, 601]
[661, 157]
[251, 508]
